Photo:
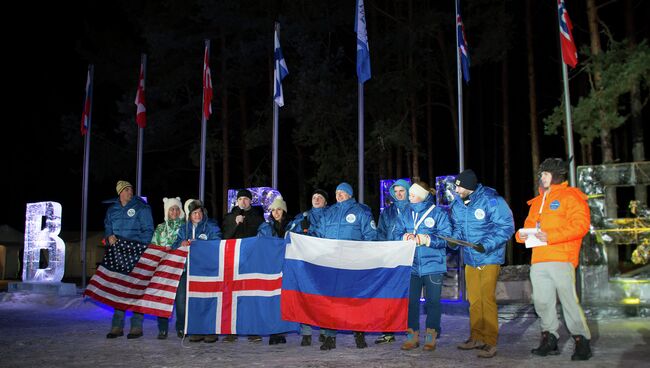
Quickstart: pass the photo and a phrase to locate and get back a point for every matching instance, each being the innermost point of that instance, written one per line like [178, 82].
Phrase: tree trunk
[302, 189]
[450, 79]
[413, 101]
[430, 138]
[213, 184]
[505, 104]
[246, 164]
[636, 107]
[398, 162]
[532, 96]
[224, 123]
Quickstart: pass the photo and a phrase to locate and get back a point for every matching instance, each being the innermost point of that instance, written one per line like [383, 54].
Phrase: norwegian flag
[138, 277]
[463, 48]
[85, 115]
[569, 53]
[207, 83]
[141, 112]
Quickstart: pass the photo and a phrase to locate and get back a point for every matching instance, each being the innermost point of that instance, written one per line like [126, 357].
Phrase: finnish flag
[279, 73]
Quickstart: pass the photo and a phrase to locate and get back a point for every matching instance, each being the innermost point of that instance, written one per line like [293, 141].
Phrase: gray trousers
[553, 280]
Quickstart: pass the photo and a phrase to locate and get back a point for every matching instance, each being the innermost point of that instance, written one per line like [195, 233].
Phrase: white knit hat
[278, 202]
[418, 191]
[171, 202]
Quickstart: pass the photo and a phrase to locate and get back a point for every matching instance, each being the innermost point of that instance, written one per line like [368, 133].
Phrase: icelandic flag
[347, 285]
[234, 287]
[279, 73]
[85, 114]
[569, 53]
[463, 48]
[141, 111]
[363, 50]
[207, 83]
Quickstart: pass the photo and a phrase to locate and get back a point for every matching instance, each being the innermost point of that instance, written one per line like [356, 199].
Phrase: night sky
[49, 52]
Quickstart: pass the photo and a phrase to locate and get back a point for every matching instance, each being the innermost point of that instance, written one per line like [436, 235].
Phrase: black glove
[479, 248]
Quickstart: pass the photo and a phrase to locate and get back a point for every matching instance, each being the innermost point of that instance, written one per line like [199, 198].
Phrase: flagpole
[276, 113]
[84, 185]
[361, 144]
[459, 77]
[569, 126]
[203, 137]
[138, 174]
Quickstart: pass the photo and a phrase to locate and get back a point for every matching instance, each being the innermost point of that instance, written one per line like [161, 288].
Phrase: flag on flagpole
[569, 53]
[85, 115]
[363, 50]
[141, 112]
[279, 73]
[463, 48]
[138, 277]
[207, 85]
[347, 285]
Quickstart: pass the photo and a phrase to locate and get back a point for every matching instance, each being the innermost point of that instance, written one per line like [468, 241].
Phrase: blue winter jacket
[313, 216]
[390, 216]
[486, 219]
[267, 229]
[430, 259]
[132, 222]
[207, 229]
[347, 220]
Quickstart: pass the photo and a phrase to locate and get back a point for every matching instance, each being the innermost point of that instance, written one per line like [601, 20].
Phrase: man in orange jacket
[561, 216]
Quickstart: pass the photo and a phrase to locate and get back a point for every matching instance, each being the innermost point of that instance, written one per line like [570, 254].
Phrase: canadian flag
[141, 112]
[207, 84]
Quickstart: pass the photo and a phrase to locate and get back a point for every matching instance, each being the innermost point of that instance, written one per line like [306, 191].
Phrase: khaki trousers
[481, 283]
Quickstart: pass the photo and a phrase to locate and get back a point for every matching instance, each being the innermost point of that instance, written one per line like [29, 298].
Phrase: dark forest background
[512, 105]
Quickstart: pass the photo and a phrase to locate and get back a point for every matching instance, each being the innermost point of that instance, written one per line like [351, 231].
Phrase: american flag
[207, 83]
[463, 48]
[85, 115]
[569, 53]
[141, 112]
[138, 277]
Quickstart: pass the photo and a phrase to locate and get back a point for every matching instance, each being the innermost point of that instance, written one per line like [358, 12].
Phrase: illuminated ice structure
[44, 255]
[262, 196]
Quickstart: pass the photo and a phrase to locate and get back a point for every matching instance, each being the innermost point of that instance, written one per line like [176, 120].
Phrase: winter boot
[134, 333]
[430, 340]
[547, 346]
[210, 338]
[197, 338]
[329, 344]
[412, 340]
[162, 335]
[360, 340]
[385, 338]
[471, 344]
[582, 349]
[306, 340]
[115, 332]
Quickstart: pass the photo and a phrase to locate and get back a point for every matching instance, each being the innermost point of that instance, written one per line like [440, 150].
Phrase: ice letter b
[43, 242]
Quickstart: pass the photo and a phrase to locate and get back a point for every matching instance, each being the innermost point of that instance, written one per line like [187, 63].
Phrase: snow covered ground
[41, 330]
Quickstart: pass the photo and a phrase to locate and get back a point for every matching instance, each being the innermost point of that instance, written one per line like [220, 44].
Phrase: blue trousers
[432, 285]
[181, 292]
[118, 319]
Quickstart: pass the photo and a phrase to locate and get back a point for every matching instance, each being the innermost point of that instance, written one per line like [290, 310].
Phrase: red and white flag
[207, 85]
[141, 112]
[149, 287]
[85, 114]
[569, 53]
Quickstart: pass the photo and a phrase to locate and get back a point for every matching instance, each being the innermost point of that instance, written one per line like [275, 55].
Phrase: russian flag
[347, 285]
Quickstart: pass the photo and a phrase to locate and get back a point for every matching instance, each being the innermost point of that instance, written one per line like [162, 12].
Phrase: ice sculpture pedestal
[59, 288]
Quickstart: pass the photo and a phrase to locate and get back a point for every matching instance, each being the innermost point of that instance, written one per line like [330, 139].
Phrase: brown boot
[134, 333]
[412, 341]
[430, 339]
[115, 332]
[471, 344]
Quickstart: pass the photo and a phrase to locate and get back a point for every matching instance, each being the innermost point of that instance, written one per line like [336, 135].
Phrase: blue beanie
[346, 188]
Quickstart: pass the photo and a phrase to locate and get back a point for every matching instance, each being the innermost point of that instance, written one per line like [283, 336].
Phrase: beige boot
[412, 341]
[430, 339]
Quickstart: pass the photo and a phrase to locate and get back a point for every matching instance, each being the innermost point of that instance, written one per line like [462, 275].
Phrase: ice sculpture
[44, 255]
[262, 196]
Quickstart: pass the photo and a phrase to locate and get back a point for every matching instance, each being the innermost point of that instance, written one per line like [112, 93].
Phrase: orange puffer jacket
[564, 218]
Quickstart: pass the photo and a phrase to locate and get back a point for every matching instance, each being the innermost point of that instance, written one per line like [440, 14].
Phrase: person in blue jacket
[197, 227]
[482, 217]
[421, 222]
[346, 220]
[128, 218]
[388, 222]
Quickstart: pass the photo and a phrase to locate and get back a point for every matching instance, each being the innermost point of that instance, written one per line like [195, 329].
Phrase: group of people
[478, 218]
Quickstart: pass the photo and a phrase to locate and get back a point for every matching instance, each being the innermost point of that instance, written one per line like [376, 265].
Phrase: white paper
[532, 240]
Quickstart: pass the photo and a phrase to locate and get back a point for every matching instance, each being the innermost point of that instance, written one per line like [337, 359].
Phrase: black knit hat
[245, 193]
[193, 205]
[467, 179]
[557, 167]
[321, 192]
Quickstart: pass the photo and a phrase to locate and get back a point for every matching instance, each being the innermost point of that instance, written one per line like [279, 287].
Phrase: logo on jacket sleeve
[555, 205]
[351, 218]
[479, 214]
[130, 212]
[373, 225]
[429, 222]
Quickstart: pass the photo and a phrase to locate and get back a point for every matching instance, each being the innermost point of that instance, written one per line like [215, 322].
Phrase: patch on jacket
[555, 205]
[203, 237]
[372, 224]
[429, 222]
[479, 214]
[493, 202]
[130, 212]
[351, 218]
